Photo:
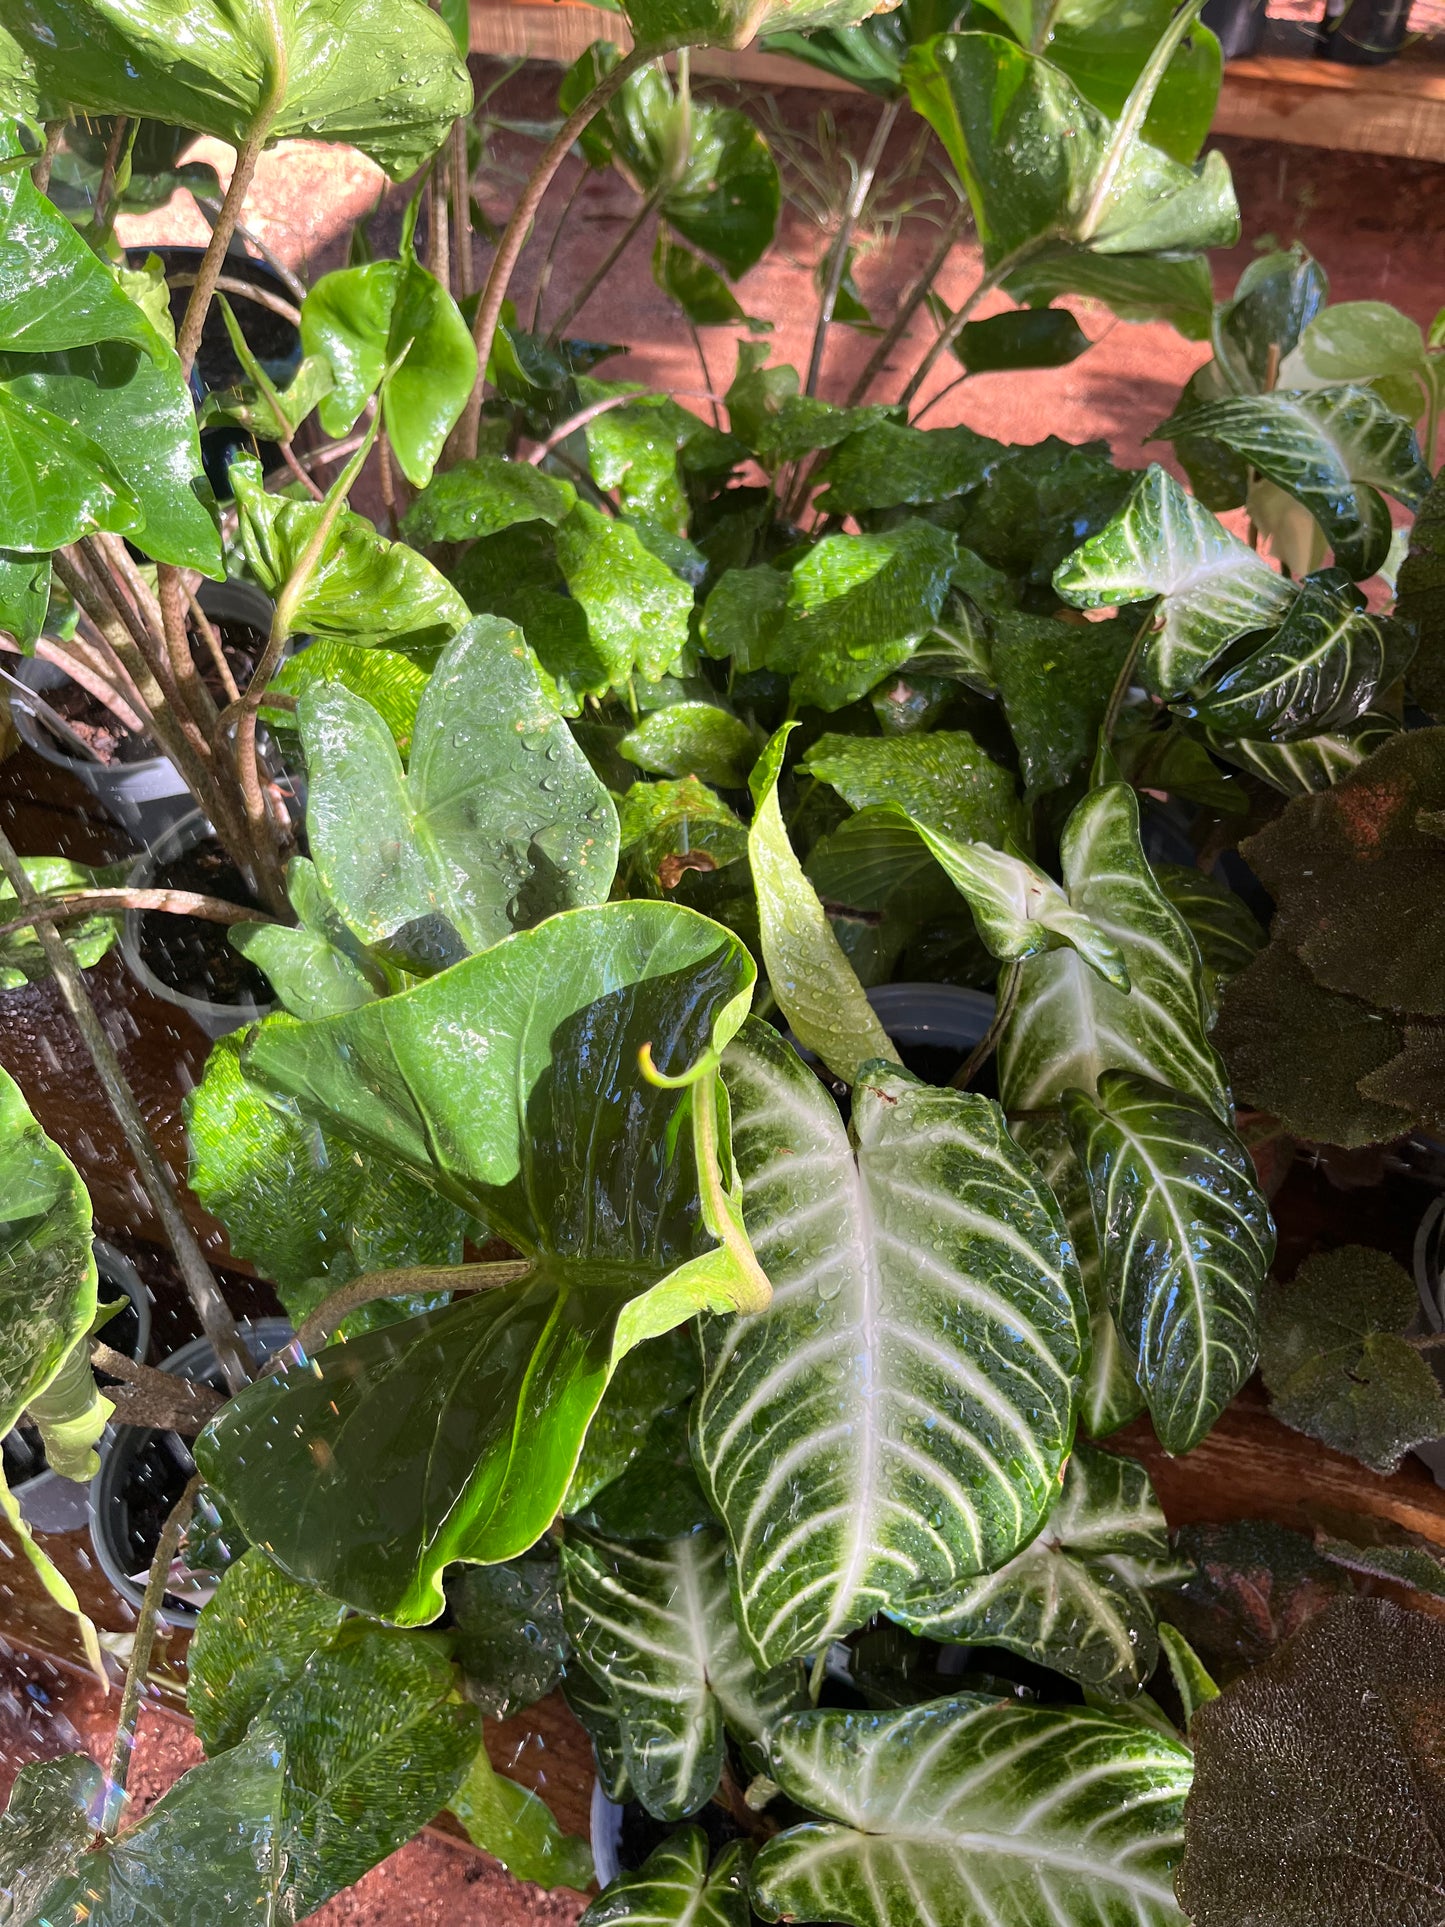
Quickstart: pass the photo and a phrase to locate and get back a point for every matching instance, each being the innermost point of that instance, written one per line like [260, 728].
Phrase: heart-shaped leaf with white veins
[654, 1626]
[1077, 1599]
[1334, 450]
[1187, 1238]
[1068, 1024]
[974, 1812]
[899, 1420]
[1164, 543]
[675, 1887]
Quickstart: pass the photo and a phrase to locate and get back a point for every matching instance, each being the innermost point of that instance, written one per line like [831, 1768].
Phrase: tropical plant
[658, 1327]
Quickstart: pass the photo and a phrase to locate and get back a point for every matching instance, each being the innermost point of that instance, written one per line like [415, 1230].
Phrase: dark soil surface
[190, 954]
[102, 730]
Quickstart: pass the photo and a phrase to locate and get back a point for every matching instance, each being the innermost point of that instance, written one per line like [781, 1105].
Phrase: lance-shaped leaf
[497, 822]
[814, 983]
[1334, 450]
[512, 1085]
[392, 315]
[517, 1827]
[977, 1813]
[899, 1419]
[1226, 930]
[676, 1888]
[483, 496]
[1314, 762]
[942, 779]
[1319, 672]
[1068, 1025]
[654, 1626]
[382, 75]
[1019, 910]
[52, 1817]
[56, 483]
[1077, 1598]
[365, 590]
[1214, 588]
[1187, 1241]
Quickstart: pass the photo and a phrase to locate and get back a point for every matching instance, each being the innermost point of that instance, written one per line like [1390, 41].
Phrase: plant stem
[509, 248]
[609, 261]
[1008, 990]
[438, 221]
[954, 327]
[203, 628]
[549, 259]
[912, 301]
[339, 1304]
[838, 259]
[188, 341]
[160, 1399]
[95, 903]
[574, 422]
[40, 173]
[142, 1646]
[1122, 681]
[461, 206]
[709, 394]
[211, 1308]
[99, 226]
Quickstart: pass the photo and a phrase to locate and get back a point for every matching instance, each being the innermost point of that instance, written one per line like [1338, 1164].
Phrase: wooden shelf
[1283, 95]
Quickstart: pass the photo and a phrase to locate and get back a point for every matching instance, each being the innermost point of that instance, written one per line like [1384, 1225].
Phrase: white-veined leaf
[1068, 1025]
[1223, 925]
[654, 1626]
[971, 1812]
[1313, 762]
[1165, 543]
[675, 1888]
[1077, 1598]
[1187, 1240]
[900, 1418]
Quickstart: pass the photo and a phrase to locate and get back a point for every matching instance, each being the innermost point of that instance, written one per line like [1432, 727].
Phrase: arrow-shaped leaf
[676, 1888]
[1187, 1241]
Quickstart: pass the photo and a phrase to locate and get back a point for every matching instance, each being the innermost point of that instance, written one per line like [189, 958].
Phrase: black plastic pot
[933, 1025]
[1364, 33]
[1237, 24]
[143, 1472]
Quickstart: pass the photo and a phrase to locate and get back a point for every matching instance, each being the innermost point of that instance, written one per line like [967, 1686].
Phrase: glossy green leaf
[810, 977]
[1138, 287]
[1214, 588]
[297, 1201]
[365, 590]
[1314, 762]
[921, 1817]
[888, 464]
[254, 1637]
[1040, 502]
[658, 1496]
[22, 960]
[497, 822]
[693, 739]
[57, 484]
[741, 616]
[1021, 338]
[698, 289]
[506, 1631]
[1363, 342]
[593, 1708]
[675, 1888]
[1054, 680]
[483, 496]
[511, 1085]
[1334, 450]
[653, 1379]
[899, 1420]
[379, 75]
[1077, 1598]
[734, 23]
[943, 780]
[1187, 1240]
[670, 828]
[635, 450]
[637, 610]
[365, 320]
[516, 1826]
[391, 683]
[51, 1818]
[1274, 302]
[771, 417]
[1226, 930]
[1068, 1024]
[24, 595]
[1337, 1362]
[654, 1626]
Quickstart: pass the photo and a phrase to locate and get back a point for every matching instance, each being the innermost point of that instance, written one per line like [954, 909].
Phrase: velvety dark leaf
[1254, 1584]
[1413, 1563]
[1337, 1363]
[483, 496]
[1421, 601]
[1318, 1796]
[1054, 680]
[506, 1631]
[676, 1888]
[890, 465]
[52, 1817]
[1414, 1081]
[254, 1637]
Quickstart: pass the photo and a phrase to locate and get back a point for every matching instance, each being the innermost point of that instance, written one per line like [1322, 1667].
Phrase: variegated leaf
[1068, 1025]
[654, 1626]
[1165, 543]
[1223, 925]
[1076, 1599]
[898, 1421]
[1187, 1240]
[972, 1812]
[1020, 910]
[1333, 449]
[1318, 672]
[676, 1888]
[1314, 762]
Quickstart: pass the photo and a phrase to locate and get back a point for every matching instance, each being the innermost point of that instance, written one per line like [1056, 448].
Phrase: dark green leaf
[481, 497]
[1414, 1081]
[516, 1826]
[670, 828]
[1221, 923]
[653, 1379]
[1421, 601]
[637, 610]
[57, 484]
[1054, 680]
[778, 424]
[254, 1637]
[1040, 502]
[658, 1496]
[52, 1817]
[1313, 763]
[890, 465]
[675, 1888]
[697, 739]
[1138, 287]
[1022, 338]
[1274, 302]
[741, 616]
[699, 290]
[507, 1632]
[1414, 1564]
[943, 780]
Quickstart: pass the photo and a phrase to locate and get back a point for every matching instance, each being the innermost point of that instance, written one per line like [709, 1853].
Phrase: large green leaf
[1214, 588]
[1068, 1024]
[971, 1812]
[51, 1819]
[131, 401]
[693, 739]
[1318, 672]
[943, 780]
[1077, 1598]
[654, 1626]
[317, 966]
[1054, 680]
[511, 1084]
[1334, 450]
[675, 1888]
[366, 320]
[483, 496]
[813, 982]
[254, 1637]
[637, 610]
[364, 590]
[1138, 287]
[57, 484]
[497, 822]
[382, 75]
[1187, 1240]
[888, 464]
[1314, 762]
[22, 960]
[516, 1826]
[899, 1420]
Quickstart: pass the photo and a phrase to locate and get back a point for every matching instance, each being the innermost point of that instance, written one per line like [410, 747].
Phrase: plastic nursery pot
[143, 1472]
[933, 1025]
[1364, 33]
[187, 961]
[145, 797]
[48, 1502]
[1237, 24]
